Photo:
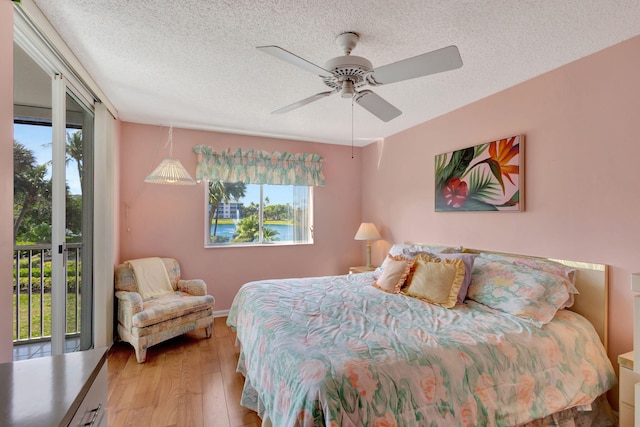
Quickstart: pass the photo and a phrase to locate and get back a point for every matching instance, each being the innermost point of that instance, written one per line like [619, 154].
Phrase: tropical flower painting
[486, 177]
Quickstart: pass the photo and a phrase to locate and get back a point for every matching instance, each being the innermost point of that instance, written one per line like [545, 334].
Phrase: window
[239, 214]
[255, 197]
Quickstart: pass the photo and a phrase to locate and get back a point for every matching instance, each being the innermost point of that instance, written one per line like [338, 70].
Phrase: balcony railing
[32, 292]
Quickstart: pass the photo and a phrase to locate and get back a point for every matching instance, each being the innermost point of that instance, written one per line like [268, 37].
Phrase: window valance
[259, 167]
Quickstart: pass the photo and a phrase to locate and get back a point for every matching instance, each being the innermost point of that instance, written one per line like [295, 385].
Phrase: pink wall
[164, 220]
[582, 150]
[6, 179]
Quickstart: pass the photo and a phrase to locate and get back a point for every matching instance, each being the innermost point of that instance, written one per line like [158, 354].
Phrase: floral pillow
[536, 264]
[395, 274]
[435, 281]
[532, 295]
[542, 264]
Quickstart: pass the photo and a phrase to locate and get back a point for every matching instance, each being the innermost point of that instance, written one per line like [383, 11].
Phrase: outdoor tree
[32, 201]
[252, 210]
[75, 152]
[222, 192]
[277, 212]
[248, 230]
[74, 217]
[31, 189]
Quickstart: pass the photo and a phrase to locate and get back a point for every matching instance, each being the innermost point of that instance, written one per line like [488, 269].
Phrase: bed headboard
[592, 281]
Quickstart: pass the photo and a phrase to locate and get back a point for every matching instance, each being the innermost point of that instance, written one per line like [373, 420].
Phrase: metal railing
[32, 292]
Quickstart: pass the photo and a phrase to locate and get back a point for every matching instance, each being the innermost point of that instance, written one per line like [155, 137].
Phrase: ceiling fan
[347, 74]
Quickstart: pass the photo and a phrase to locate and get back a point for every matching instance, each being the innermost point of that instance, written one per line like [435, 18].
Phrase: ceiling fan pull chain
[352, 127]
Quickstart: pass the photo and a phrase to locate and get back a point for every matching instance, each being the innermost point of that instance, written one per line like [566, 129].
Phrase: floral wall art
[485, 177]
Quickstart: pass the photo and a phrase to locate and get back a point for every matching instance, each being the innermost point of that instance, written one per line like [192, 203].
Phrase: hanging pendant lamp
[170, 170]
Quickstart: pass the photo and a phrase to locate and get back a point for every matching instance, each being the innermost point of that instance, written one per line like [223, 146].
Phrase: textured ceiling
[195, 63]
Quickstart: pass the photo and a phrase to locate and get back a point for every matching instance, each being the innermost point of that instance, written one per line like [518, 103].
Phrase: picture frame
[484, 177]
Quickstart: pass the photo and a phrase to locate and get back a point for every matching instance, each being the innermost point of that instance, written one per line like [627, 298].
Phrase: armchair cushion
[169, 306]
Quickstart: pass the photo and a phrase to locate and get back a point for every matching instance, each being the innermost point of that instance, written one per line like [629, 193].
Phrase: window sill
[253, 245]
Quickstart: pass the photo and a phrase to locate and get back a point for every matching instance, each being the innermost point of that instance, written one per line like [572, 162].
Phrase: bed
[337, 351]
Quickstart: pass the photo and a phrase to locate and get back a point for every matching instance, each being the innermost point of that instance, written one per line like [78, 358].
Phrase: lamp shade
[367, 231]
[170, 171]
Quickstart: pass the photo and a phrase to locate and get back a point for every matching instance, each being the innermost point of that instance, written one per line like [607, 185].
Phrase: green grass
[223, 221]
[36, 318]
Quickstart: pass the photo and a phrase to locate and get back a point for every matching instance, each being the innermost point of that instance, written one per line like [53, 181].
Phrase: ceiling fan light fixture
[347, 90]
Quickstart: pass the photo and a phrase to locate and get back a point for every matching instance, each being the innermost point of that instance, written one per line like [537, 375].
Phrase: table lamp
[368, 232]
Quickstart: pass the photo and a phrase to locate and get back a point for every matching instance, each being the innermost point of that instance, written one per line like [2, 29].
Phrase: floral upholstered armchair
[150, 316]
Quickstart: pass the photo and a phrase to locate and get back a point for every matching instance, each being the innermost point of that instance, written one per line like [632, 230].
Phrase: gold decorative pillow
[436, 281]
[395, 273]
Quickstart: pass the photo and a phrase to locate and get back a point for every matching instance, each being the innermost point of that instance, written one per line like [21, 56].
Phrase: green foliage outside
[32, 195]
[39, 271]
[248, 230]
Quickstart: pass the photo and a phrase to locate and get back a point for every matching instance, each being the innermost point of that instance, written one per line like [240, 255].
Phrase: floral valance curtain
[259, 167]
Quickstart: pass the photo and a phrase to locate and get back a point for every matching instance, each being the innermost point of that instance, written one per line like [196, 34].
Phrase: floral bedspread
[336, 351]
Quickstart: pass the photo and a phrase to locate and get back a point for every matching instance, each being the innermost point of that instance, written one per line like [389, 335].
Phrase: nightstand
[361, 269]
[628, 380]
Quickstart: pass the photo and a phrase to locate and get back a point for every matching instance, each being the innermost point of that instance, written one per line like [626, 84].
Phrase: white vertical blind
[104, 227]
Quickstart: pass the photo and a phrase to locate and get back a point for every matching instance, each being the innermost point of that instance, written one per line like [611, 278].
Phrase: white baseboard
[221, 313]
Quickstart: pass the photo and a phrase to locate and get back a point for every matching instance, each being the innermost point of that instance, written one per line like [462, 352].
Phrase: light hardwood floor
[187, 381]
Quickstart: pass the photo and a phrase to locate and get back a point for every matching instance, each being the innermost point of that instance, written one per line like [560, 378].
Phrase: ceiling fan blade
[437, 61]
[285, 55]
[376, 105]
[305, 101]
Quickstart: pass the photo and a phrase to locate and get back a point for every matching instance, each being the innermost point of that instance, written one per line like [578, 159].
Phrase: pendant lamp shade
[170, 170]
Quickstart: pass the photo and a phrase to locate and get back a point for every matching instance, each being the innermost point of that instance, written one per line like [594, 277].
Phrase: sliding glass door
[72, 219]
[53, 208]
